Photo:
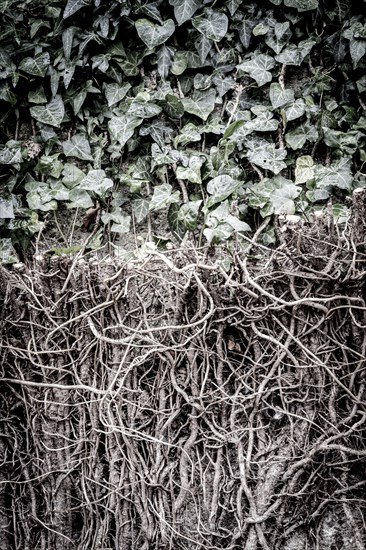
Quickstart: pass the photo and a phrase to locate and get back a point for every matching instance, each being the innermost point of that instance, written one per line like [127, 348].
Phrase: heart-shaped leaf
[153, 34]
[213, 24]
[259, 68]
[37, 65]
[78, 147]
[51, 114]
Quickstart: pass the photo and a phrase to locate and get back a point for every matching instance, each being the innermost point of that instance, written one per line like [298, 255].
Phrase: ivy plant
[177, 116]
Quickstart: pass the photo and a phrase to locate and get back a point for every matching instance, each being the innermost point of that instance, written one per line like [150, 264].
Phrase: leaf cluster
[178, 116]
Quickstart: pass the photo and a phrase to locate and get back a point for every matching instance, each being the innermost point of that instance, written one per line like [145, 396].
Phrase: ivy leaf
[188, 214]
[79, 198]
[123, 225]
[203, 46]
[6, 209]
[233, 5]
[245, 32]
[51, 114]
[184, 9]
[7, 252]
[122, 128]
[295, 55]
[11, 154]
[263, 123]
[278, 36]
[114, 93]
[153, 34]
[192, 172]
[304, 170]
[282, 198]
[223, 84]
[280, 97]
[338, 174]
[140, 208]
[220, 188]
[296, 110]
[188, 134]
[274, 196]
[231, 129]
[96, 181]
[302, 5]
[163, 197]
[201, 103]
[213, 25]
[73, 6]
[357, 49]
[78, 147]
[37, 65]
[165, 60]
[72, 175]
[259, 68]
[268, 157]
[173, 106]
[297, 137]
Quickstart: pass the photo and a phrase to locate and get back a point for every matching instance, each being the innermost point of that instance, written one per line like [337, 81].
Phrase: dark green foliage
[138, 106]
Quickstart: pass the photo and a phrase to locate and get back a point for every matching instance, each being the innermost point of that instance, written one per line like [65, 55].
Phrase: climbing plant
[179, 117]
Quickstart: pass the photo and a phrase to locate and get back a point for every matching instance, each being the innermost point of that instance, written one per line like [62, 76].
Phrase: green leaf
[184, 9]
[302, 5]
[280, 97]
[96, 181]
[6, 209]
[245, 32]
[357, 50]
[140, 208]
[11, 154]
[121, 128]
[163, 197]
[173, 106]
[295, 110]
[220, 188]
[7, 252]
[268, 157]
[79, 198]
[347, 142]
[188, 134]
[338, 174]
[37, 96]
[188, 214]
[260, 30]
[278, 36]
[78, 147]
[37, 65]
[233, 5]
[192, 172]
[263, 123]
[73, 6]
[213, 24]
[304, 170]
[201, 103]
[223, 84]
[259, 68]
[51, 114]
[295, 55]
[41, 199]
[274, 196]
[72, 175]
[123, 225]
[153, 34]
[114, 93]
[297, 137]
[231, 129]
[165, 60]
